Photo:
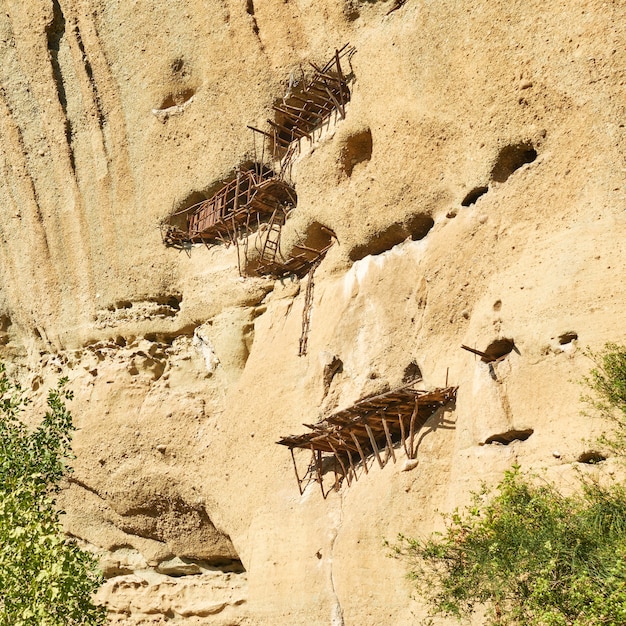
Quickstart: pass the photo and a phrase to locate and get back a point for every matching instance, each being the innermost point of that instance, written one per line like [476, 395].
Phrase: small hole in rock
[178, 98]
[511, 158]
[497, 305]
[473, 195]
[177, 65]
[412, 372]
[498, 349]
[509, 436]
[590, 457]
[568, 337]
[357, 149]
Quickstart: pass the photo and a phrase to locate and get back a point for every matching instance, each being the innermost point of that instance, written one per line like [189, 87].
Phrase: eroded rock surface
[476, 188]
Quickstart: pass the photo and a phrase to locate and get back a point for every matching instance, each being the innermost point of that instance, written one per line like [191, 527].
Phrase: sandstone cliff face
[477, 191]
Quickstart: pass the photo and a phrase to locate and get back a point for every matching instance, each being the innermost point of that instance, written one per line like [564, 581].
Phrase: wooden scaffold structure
[261, 192]
[309, 105]
[372, 426]
[252, 194]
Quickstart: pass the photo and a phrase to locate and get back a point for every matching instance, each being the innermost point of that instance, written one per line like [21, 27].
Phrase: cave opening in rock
[416, 227]
[591, 457]
[412, 372]
[510, 436]
[357, 149]
[511, 158]
[498, 349]
[473, 196]
[568, 337]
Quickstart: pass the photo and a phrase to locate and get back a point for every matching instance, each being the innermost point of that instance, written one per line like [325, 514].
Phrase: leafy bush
[607, 382]
[532, 556]
[45, 579]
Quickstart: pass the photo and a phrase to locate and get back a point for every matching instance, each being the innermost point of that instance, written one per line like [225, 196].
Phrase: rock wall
[476, 188]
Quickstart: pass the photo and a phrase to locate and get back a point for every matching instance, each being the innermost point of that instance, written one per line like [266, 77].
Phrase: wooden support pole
[295, 469]
[236, 202]
[358, 447]
[484, 355]
[317, 461]
[256, 130]
[319, 472]
[412, 428]
[340, 108]
[403, 434]
[338, 458]
[374, 446]
[388, 437]
[351, 463]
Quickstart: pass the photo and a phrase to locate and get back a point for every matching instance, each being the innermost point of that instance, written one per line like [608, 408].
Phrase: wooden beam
[389, 442]
[358, 447]
[295, 469]
[412, 428]
[374, 446]
[343, 467]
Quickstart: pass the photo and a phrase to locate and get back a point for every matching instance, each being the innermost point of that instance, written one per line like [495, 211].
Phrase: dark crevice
[473, 195]
[412, 372]
[511, 158]
[55, 31]
[330, 370]
[178, 98]
[250, 12]
[357, 149]
[591, 457]
[89, 72]
[568, 337]
[416, 227]
[419, 226]
[498, 349]
[510, 436]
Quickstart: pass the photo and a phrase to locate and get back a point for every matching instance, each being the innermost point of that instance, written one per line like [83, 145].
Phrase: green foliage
[533, 556]
[45, 579]
[607, 382]
[527, 553]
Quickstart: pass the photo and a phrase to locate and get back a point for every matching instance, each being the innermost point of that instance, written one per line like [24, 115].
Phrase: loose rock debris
[371, 426]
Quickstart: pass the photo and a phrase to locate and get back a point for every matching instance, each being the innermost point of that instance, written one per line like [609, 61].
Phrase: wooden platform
[250, 197]
[372, 426]
[310, 104]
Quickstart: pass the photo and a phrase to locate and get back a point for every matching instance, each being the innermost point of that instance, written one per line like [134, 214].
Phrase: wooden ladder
[272, 239]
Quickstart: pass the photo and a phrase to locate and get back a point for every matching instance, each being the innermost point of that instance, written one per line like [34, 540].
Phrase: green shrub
[530, 555]
[45, 579]
[533, 556]
[607, 382]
